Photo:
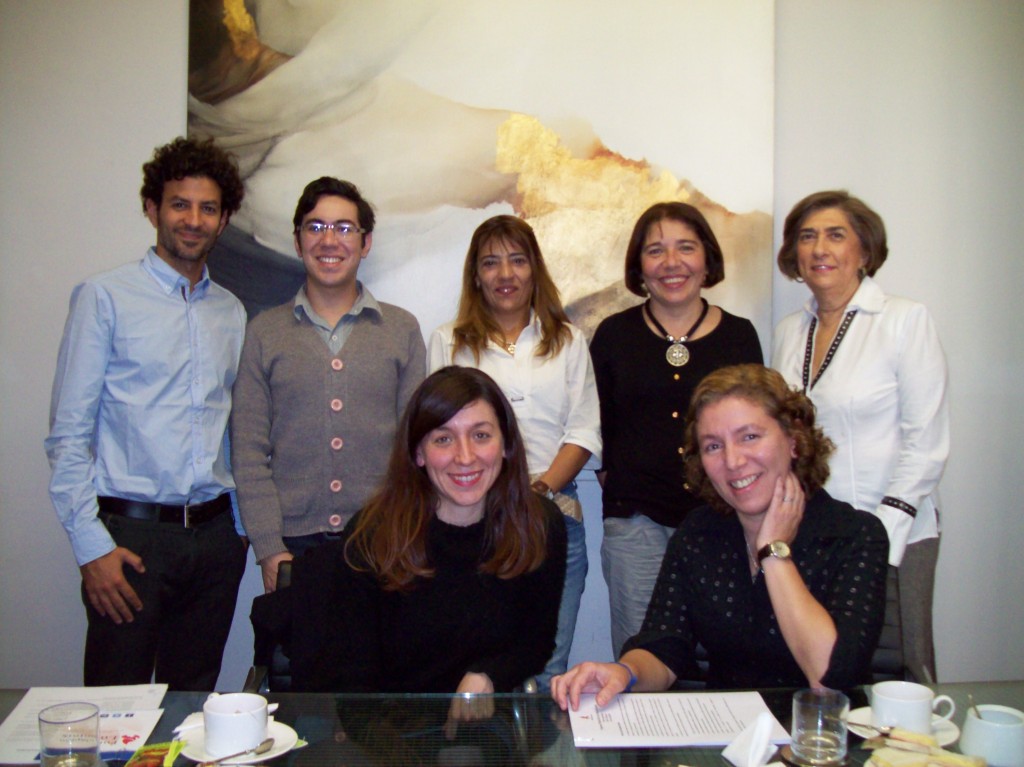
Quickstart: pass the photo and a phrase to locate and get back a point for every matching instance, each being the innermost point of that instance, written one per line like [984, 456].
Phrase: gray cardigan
[311, 432]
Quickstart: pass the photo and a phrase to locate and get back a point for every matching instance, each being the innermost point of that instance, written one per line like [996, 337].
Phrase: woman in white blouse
[511, 325]
[874, 368]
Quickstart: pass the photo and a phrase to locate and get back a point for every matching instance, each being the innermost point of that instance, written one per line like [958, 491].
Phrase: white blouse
[554, 399]
[881, 397]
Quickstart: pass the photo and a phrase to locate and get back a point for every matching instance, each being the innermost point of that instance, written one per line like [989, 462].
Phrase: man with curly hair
[138, 443]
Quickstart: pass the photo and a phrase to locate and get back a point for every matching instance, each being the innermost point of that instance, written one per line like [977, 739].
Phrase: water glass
[69, 735]
[819, 727]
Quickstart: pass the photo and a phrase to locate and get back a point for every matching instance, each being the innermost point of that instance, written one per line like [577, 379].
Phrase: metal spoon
[970, 700]
[262, 748]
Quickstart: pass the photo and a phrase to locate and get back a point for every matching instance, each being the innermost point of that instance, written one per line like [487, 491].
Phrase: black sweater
[705, 594]
[644, 401]
[349, 635]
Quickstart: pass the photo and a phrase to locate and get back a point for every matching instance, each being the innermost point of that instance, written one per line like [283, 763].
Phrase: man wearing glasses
[321, 386]
[138, 431]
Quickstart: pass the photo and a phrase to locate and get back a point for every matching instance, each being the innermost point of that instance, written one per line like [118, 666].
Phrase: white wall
[916, 106]
[87, 89]
[913, 105]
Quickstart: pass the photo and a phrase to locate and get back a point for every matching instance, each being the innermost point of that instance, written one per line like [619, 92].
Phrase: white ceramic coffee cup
[907, 705]
[234, 722]
[998, 735]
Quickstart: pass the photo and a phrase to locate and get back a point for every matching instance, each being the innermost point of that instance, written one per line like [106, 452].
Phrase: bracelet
[632, 676]
[896, 503]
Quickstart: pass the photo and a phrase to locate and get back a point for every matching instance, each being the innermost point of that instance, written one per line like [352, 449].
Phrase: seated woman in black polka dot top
[783, 585]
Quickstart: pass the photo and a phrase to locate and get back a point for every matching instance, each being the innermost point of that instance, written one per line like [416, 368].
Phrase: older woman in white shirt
[511, 325]
[874, 368]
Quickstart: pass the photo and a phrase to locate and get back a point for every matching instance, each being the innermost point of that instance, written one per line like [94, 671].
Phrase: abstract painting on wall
[573, 115]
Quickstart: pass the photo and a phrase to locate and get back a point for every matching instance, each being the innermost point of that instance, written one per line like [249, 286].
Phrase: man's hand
[109, 592]
[269, 567]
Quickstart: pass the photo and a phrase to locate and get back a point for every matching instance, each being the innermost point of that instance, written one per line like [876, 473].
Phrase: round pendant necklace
[676, 354]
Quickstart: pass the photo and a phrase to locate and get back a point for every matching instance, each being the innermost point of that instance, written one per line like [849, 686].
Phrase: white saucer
[945, 732]
[284, 737]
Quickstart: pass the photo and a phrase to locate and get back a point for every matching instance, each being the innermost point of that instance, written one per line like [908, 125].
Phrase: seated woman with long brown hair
[450, 578]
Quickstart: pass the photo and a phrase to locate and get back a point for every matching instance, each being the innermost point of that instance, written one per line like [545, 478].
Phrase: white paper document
[636, 720]
[132, 713]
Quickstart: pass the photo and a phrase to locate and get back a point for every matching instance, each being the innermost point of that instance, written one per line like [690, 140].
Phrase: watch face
[780, 549]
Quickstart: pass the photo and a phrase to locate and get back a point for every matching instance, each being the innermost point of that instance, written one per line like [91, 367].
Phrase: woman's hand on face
[468, 709]
[785, 512]
[606, 679]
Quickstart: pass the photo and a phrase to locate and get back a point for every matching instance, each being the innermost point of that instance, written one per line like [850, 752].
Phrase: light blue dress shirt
[141, 396]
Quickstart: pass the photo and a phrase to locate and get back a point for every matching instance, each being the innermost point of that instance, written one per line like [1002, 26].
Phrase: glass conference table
[527, 730]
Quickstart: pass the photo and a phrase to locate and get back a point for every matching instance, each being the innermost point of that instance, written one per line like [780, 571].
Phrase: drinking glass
[69, 735]
[819, 727]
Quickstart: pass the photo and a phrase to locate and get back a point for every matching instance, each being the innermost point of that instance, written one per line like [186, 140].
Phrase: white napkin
[190, 722]
[753, 746]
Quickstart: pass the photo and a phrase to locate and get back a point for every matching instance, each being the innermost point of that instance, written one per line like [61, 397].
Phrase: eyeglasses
[343, 229]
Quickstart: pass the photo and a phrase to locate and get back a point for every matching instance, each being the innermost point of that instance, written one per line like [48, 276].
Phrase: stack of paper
[637, 720]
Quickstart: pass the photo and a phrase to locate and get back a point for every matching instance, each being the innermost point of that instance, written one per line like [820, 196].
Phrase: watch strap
[542, 488]
[769, 550]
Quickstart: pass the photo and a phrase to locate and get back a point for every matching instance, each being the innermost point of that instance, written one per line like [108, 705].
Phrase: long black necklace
[809, 349]
[676, 354]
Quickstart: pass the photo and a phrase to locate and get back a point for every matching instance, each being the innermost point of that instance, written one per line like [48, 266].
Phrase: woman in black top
[781, 584]
[449, 580]
[647, 361]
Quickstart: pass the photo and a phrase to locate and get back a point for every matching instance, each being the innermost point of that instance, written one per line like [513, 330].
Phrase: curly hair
[684, 213]
[867, 224]
[789, 407]
[193, 158]
[389, 536]
[475, 323]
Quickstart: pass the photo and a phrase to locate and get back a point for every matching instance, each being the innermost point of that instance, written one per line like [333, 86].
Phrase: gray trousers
[916, 576]
[631, 555]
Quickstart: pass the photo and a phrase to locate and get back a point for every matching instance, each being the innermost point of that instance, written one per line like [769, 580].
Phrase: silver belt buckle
[187, 507]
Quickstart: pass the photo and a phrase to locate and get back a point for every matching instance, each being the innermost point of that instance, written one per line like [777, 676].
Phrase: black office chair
[887, 662]
[271, 669]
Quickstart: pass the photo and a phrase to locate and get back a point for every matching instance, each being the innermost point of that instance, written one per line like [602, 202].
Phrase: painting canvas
[573, 115]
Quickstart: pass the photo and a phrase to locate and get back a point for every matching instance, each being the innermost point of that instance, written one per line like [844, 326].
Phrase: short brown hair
[866, 223]
[714, 261]
[328, 186]
[789, 407]
[474, 323]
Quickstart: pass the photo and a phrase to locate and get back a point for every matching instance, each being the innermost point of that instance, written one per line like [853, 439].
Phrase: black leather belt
[189, 515]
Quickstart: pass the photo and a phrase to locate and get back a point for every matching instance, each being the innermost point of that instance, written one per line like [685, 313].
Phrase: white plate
[284, 737]
[945, 732]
